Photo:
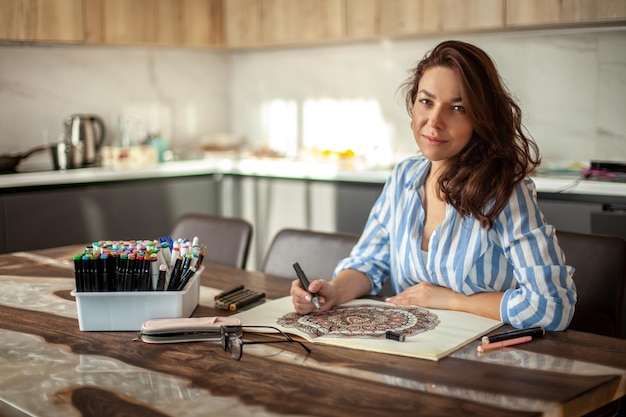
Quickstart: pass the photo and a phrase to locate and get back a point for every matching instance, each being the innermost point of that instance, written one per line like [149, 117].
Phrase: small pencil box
[188, 329]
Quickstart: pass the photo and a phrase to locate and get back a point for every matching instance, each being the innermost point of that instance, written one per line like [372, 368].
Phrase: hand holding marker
[305, 284]
[391, 335]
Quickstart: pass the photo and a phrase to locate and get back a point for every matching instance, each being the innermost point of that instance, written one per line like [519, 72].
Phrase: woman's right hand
[347, 285]
[302, 299]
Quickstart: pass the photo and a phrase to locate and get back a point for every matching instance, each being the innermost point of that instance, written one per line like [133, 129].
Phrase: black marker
[236, 296]
[228, 292]
[78, 273]
[184, 279]
[513, 334]
[397, 336]
[88, 276]
[176, 271]
[161, 280]
[305, 283]
[103, 270]
[246, 301]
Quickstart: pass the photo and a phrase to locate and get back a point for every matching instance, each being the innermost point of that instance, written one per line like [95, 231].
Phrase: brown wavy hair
[480, 179]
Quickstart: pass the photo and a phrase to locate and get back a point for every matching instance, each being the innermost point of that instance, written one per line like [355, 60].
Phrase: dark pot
[9, 162]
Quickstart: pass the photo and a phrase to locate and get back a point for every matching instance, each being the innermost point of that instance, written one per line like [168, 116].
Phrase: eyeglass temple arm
[258, 342]
[285, 335]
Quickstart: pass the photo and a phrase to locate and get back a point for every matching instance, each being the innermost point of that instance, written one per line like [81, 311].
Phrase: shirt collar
[420, 169]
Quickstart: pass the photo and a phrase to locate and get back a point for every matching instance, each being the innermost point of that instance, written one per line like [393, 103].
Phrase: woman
[458, 227]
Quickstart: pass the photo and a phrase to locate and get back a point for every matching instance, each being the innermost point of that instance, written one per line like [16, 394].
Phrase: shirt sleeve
[546, 293]
[371, 254]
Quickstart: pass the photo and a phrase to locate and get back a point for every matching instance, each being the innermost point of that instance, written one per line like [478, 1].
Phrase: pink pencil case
[188, 329]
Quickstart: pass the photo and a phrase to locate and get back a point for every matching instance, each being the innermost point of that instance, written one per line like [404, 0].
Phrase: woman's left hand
[426, 295]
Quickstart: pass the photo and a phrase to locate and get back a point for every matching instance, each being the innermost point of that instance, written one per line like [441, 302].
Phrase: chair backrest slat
[317, 252]
[227, 238]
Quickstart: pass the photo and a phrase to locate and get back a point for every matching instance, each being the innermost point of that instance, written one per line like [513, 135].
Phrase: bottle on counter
[156, 141]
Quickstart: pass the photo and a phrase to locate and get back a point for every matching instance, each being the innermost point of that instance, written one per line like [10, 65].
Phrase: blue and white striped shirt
[519, 256]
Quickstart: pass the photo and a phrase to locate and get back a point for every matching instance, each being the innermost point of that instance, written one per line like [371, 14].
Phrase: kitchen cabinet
[58, 208]
[611, 221]
[242, 23]
[301, 22]
[92, 16]
[415, 17]
[187, 23]
[471, 15]
[128, 22]
[77, 214]
[353, 203]
[41, 20]
[316, 20]
[254, 23]
[393, 18]
[201, 23]
[362, 19]
[402, 17]
[573, 216]
[283, 22]
[585, 213]
[532, 12]
[272, 204]
[554, 12]
[592, 10]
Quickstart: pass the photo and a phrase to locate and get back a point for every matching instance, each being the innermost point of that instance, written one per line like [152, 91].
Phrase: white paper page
[455, 330]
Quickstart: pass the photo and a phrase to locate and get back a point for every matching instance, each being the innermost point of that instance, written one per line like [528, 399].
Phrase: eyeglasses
[232, 343]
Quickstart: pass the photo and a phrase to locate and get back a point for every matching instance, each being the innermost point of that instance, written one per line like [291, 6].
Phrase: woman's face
[440, 125]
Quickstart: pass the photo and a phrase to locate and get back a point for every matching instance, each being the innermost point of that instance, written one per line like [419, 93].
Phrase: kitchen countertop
[315, 171]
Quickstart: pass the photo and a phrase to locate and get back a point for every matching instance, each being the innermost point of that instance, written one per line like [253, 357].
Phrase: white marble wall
[181, 93]
[571, 85]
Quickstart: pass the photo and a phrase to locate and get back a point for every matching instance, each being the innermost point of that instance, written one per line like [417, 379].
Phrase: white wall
[571, 85]
[182, 93]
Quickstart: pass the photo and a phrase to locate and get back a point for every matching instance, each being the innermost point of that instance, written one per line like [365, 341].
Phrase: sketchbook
[430, 334]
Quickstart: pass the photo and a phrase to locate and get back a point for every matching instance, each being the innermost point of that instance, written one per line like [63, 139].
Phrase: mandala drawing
[362, 321]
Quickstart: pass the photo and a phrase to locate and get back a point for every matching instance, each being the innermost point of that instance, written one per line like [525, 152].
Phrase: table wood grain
[50, 368]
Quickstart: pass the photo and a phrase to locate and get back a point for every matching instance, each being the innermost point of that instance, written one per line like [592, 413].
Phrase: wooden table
[50, 368]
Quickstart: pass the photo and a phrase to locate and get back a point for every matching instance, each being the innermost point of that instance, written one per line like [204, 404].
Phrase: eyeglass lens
[234, 345]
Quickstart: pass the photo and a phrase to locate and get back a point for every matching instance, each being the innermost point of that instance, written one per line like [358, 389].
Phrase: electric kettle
[85, 134]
